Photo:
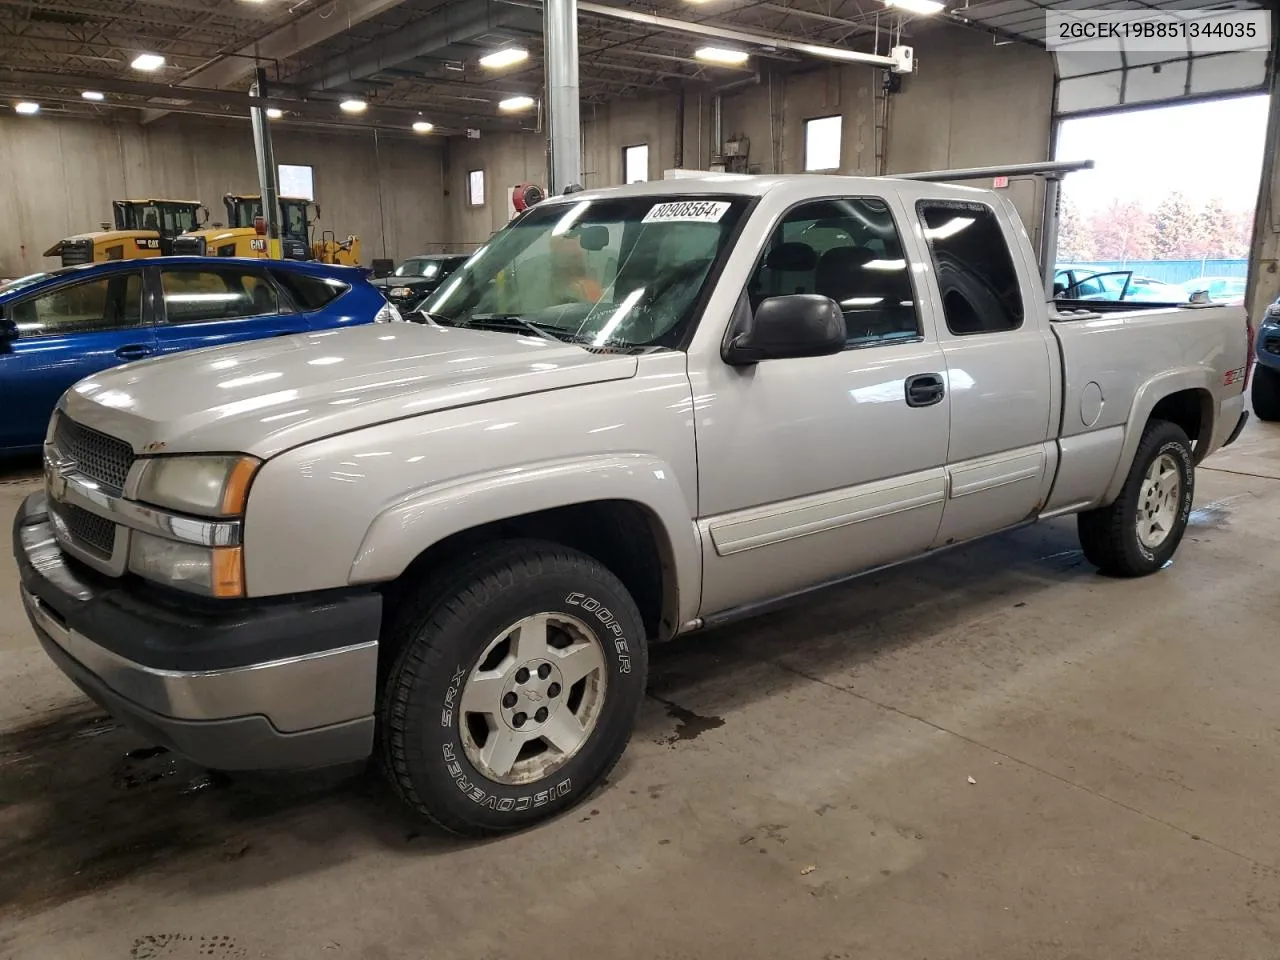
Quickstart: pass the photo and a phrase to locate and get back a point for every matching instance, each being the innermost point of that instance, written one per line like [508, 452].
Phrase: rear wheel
[516, 689]
[1139, 532]
[1265, 394]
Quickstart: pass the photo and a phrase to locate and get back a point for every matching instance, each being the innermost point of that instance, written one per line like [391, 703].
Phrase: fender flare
[425, 517]
[1144, 401]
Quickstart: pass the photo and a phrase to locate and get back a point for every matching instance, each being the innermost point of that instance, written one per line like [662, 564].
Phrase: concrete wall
[61, 176]
[510, 159]
[970, 103]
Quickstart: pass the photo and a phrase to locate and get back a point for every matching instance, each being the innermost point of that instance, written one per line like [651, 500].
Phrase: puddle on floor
[85, 804]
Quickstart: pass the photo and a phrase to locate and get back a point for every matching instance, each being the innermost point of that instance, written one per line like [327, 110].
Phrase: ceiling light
[26, 108]
[504, 58]
[721, 55]
[421, 126]
[147, 62]
[93, 95]
[353, 106]
[275, 113]
[512, 104]
[922, 7]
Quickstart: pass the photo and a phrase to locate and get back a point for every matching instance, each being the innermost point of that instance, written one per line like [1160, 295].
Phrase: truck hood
[269, 395]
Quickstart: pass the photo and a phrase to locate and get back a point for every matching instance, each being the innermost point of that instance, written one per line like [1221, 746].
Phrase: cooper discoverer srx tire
[515, 689]
[1139, 532]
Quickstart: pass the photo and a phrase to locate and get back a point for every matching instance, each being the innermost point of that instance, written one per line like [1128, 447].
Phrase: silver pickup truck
[635, 413]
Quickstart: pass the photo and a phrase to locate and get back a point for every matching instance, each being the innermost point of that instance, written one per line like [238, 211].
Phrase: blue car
[60, 327]
[1265, 393]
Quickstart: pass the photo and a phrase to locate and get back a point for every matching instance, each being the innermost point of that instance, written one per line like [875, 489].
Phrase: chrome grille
[96, 455]
[87, 530]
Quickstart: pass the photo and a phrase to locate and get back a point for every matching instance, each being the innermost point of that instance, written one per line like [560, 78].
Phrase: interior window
[197, 296]
[974, 269]
[848, 250]
[109, 303]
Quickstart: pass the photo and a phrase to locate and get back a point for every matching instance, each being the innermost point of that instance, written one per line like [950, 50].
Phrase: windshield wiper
[545, 330]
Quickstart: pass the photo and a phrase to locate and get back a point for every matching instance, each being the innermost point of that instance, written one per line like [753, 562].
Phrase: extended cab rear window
[310, 293]
[973, 266]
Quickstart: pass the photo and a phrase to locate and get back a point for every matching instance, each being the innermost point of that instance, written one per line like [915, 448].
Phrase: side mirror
[8, 330]
[800, 325]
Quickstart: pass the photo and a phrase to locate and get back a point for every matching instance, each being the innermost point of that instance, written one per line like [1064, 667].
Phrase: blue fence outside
[1170, 271]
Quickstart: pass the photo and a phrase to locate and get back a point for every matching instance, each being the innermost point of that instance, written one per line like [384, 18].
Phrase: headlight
[400, 293]
[387, 314]
[209, 571]
[206, 486]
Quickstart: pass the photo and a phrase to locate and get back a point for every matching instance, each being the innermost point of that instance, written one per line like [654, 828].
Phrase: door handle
[925, 389]
[134, 351]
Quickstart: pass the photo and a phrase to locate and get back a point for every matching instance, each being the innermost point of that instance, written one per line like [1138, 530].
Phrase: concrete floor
[993, 753]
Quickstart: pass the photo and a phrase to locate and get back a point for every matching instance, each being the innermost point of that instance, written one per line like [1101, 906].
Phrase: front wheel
[1265, 393]
[1139, 532]
[516, 689]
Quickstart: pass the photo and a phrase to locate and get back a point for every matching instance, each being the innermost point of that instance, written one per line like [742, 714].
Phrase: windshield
[418, 268]
[169, 219]
[244, 211]
[622, 271]
[295, 224]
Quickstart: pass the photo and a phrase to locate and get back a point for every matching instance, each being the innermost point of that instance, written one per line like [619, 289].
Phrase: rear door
[999, 378]
[209, 306]
[65, 334]
[317, 301]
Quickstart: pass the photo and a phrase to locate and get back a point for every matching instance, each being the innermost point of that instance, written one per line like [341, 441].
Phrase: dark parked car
[57, 328]
[418, 277]
[1266, 375]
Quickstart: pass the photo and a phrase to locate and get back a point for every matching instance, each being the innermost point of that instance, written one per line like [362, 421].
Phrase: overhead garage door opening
[1168, 208]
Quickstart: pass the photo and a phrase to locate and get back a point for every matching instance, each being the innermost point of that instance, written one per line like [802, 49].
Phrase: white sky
[1205, 150]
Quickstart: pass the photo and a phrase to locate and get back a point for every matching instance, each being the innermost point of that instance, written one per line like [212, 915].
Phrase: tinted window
[109, 303]
[973, 266]
[850, 251]
[309, 293]
[418, 268]
[198, 296]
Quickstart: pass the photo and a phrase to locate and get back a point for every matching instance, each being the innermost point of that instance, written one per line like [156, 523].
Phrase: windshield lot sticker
[687, 211]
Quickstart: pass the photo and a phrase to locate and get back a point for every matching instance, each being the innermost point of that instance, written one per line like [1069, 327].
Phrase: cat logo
[258, 244]
[149, 244]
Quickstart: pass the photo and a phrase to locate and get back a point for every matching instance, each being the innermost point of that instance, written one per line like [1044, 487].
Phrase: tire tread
[426, 615]
[1104, 532]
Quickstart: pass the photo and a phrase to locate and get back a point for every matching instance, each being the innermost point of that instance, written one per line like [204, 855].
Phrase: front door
[208, 306]
[813, 469]
[64, 335]
[998, 371]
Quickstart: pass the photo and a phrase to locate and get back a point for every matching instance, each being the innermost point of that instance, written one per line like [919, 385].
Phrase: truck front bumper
[257, 684]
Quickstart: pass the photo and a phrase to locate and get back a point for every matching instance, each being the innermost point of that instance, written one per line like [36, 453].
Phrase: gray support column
[1263, 285]
[266, 159]
[560, 30]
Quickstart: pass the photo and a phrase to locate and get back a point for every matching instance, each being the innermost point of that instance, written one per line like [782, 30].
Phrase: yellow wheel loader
[143, 228]
[246, 236]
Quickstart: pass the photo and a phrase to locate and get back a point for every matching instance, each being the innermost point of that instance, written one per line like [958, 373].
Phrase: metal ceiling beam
[459, 22]
[763, 42]
[322, 109]
[302, 33]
